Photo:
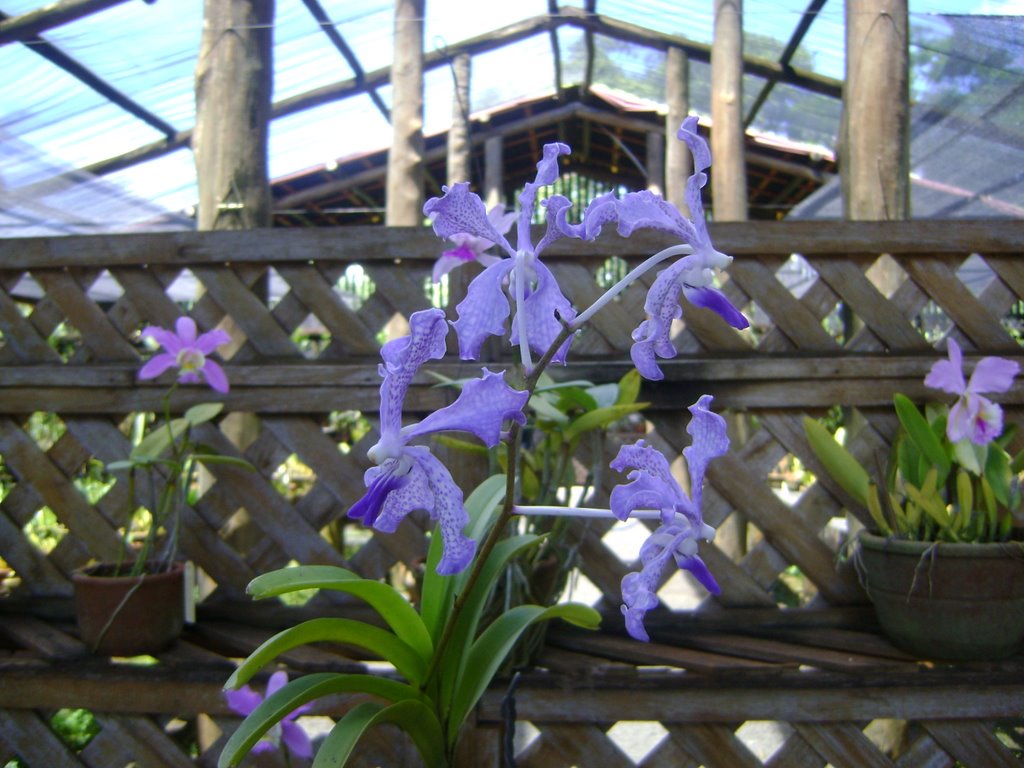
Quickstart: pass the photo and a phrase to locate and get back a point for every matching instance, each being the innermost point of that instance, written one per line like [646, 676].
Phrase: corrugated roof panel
[304, 56]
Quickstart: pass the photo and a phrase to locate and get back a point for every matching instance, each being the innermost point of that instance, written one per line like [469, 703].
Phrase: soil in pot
[944, 600]
[129, 615]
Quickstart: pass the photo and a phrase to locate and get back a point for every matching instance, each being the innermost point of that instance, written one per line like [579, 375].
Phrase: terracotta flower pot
[129, 615]
[946, 601]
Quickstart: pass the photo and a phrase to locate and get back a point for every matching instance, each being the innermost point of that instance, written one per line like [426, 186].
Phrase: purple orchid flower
[471, 247]
[652, 486]
[973, 416]
[541, 308]
[409, 477]
[287, 732]
[693, 274]
[188, 352]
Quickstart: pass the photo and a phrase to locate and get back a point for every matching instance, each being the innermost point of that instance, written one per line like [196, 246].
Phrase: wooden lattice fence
[843, 314]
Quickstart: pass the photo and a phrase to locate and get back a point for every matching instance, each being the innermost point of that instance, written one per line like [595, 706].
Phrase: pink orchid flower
[188, 352]
[972, 416]
[472, 247]
[245, 700]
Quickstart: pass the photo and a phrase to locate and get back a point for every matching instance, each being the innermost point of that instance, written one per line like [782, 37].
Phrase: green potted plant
[135, 605]
[944, 566]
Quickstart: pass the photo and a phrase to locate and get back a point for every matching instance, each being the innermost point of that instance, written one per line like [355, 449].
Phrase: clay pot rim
[982, 549]
[89, 572]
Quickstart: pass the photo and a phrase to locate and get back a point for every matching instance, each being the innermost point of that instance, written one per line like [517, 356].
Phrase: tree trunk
[405, 160]
[728, 171]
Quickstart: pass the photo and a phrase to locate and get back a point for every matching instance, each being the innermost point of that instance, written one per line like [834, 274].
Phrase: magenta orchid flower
[541, 308]
[973, 416]
[470, 248]
[408, 477]
[693, 275]
[187, 351]
[287, 732]
[652, 486]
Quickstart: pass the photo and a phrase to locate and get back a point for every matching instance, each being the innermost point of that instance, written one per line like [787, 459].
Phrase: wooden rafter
[26, 26]
[506, 35]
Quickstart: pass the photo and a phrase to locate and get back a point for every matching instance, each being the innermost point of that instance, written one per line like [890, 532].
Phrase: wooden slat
[843, 745]
[24, 733]
[971, 743]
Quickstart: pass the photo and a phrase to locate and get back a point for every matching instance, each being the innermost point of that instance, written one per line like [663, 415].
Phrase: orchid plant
[950, 476]
[444, 651]
[165, 452]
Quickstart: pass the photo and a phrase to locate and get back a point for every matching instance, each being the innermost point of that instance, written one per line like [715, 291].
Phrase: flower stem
[634, 274]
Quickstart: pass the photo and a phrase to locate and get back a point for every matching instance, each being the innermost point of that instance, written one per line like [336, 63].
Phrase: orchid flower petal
[993, 374]
[185, 327]
[215, 376]
[461, 211]
[481, 408]
[403, 358]
[948, 375]
[413, 493]
[449, 511]
[547, 172]
[157, 365]
[208, 342]
[296, 740]
[380, 486]
[716, 301]
[243, 701]
[484, 310]
[544, 305]
[709, 439]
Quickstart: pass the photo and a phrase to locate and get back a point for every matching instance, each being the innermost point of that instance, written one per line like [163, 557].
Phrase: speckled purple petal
[547, 172]
[716, 301]
[403, 358]
[450, 513]
[481, 408]
[709, 440]
[544, 305]
[484, 310]
[461, 211]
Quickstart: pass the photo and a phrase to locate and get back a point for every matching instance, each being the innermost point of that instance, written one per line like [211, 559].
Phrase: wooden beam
[405, 177]
[26, 26]
[728, 173]
[875, 141]
[328, 28]
[494, 172]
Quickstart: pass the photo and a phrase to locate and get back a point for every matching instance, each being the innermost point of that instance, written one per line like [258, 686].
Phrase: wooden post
[656, 162]
[875, 143]
[234, 77]
[234, 84]
[678, 165]
[405, 160]
[459, 150]
[728, 171]
[494, 172]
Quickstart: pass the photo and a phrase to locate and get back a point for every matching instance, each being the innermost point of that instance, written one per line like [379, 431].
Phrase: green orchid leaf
[629, 387]
[453, 665]
[920, 432]
[603, 395]
[379, 642]
[437, 591]
[461, 445]
[490, 649]
[202, 413]
[875, 510]
[570, 398]
[546, 410]
[599, 419]
[413, 717]
[216, 458]
[159, 439]
[970, 456]
[383, 598]
[838, 462]
[999, 474]
[301, 691]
